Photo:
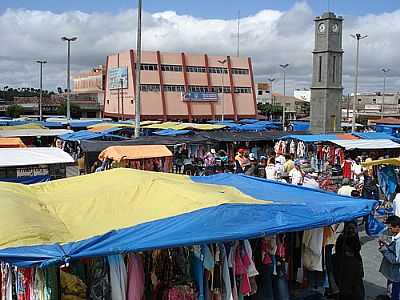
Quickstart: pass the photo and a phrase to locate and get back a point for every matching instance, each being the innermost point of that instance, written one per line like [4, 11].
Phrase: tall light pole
[138, 67]
[223, 62]
[384, 70]
[284, 66]
[69, 40]
[358, 37]
[41, 62]
[122, 98]
[271, 81]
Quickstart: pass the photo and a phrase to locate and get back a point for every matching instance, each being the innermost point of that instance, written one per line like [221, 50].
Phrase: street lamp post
[384, 70]
[222, 62]
[41, 62]
[358, 37]
[138, 67]
[271, 81]
[69, 40]
[122, 98]
[284, 66]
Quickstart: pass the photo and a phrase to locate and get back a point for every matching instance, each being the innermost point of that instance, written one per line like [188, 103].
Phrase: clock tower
[326, 90]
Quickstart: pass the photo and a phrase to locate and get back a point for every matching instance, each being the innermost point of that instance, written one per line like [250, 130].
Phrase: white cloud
[270, 37]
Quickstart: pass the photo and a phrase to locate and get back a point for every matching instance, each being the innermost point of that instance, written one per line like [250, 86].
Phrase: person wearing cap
[261, 167]
[241, 161]
[253, 169]
[210, 161]
[390, 266]
[310, 180]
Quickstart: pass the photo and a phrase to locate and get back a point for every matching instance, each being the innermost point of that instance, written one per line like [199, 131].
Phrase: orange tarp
[118, 153]
[11, 143]
[347, 136]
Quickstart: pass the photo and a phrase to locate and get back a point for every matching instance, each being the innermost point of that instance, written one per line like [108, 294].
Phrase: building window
[198, 89]
[242, 90]
[171, 68]
[237, 71]
[149, 87]
[148, 67]
[196, 69]
[374, 101]
[320, 69]
[260, 93]
[173, 88]
[217, 70]
[359, 100]
[334, 69]
[131, 101]
[218, 89]
[108, 101]
[398, 101]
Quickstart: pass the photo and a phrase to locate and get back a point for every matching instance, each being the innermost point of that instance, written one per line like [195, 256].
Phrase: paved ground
[375, 283]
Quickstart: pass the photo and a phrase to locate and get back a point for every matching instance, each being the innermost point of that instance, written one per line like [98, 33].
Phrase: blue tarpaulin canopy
[166, 210]
[171, 132]
[89, 135]
[375, 136]
[312, 138]
[301, 126]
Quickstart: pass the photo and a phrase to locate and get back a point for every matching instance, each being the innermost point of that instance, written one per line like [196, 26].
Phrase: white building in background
[303, 94]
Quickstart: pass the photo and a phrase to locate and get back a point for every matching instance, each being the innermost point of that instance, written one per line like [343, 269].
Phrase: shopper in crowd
[240, 161]
[346, 167]
[289, 164]
[346, 189]
[261, 167]
[311, 180]
[390, 266]
[348, 264]
[370, 188]
[396, 202]
[178, 161]
[270, 169]
[356, 170]
[210, 161]
[252, 170]
[296, 175]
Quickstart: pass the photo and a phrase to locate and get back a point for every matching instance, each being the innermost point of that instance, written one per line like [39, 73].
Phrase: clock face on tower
[321, 27]
[335, 28]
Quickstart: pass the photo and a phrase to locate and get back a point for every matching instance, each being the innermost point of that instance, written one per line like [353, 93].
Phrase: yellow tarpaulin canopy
[11, 143]
[183, 126]
[23, 126]
[81, 207]
[387, 161]
[105, 126]
[118, 153]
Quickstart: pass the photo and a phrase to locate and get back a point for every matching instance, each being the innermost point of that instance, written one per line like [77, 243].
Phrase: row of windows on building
[193, 88]
[193, 69]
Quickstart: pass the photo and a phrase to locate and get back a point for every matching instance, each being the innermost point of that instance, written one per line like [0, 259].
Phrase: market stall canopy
[376, 136]
[126, 210]
[11, 143]
[183, 126]
[313, 138]
[119, 153]
[106, 126]
[89, 135]
[23, 126]
[33, 132]
[379, 162]
[366, 144]
[16, 157]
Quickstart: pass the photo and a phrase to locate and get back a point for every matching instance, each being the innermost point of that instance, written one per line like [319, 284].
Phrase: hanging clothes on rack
[118, 277]
[98, 281]
[136, 277]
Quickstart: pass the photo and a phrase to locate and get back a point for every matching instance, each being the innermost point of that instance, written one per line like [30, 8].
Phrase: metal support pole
[69, 40]
[284, 66]
[41, 62]
[358, 37]
[122, 99]
[384, 92]
[222, 62]
[138, 66]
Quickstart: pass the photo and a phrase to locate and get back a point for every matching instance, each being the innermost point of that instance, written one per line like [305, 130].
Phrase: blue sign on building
[200, 96]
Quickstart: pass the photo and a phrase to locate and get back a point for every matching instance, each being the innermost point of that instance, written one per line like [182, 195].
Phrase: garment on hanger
[118, 277]
[135, 277]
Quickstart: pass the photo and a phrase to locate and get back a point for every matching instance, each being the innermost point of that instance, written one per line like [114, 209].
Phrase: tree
[75, 110]
[14, 111]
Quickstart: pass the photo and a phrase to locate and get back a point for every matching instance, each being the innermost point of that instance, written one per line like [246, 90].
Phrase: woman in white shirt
[296, 175]
[270, 169]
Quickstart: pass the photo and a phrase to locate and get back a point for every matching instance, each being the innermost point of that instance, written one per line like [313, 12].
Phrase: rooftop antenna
[238, 35]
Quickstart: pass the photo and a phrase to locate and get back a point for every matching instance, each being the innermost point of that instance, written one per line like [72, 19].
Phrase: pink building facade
[167, 77]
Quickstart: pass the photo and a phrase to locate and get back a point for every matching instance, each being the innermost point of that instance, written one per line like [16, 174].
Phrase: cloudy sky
[272, 32]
